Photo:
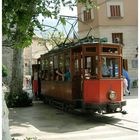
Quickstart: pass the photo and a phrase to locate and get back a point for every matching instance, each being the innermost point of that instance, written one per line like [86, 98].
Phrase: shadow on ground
[49, 119]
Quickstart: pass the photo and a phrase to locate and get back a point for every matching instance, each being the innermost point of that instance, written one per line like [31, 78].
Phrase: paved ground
[45, 122]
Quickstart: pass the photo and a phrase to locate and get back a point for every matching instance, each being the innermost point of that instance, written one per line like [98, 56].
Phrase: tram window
[45, 64]
[42, 64]
[88, 60]
[67, 60]
[46, 77]
[56, 77]
[109, 50]
[91, 68]
[110, 67]
[115, 65]
[47, 61]
[81, 63]
[67, 67]
[76, 65]
[51, 69]
[56, 62]
[61, 61]
[43, 75]
[61, 65]
[91, 49]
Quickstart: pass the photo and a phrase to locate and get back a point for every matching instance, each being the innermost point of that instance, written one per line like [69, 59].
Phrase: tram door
[90, 66]
[76, 72]
[35, 79]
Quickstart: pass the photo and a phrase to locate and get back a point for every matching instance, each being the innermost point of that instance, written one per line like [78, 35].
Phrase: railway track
[110, 120]
[118, 122]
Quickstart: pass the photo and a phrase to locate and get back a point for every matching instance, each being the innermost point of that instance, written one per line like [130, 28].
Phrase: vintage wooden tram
[81, 84]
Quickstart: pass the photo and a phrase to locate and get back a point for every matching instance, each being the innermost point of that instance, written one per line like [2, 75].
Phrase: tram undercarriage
[78, 105]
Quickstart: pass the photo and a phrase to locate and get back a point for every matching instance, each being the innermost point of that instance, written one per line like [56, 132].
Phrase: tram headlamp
[112, 95]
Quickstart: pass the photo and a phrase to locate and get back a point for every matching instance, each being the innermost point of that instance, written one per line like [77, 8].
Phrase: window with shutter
[115, 11]
[87, 15]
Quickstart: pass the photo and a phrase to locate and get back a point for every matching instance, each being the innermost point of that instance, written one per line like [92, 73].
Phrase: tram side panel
[57, 90]
[43, 87]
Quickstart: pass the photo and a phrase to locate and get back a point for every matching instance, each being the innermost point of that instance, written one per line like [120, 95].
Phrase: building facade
[116, 20]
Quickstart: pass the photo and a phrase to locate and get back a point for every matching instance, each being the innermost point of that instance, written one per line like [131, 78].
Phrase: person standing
[125, 87]
[65, 75]
[126, 75]
[105, 70]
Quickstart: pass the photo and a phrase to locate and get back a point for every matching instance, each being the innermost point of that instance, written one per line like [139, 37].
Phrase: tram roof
[83, 41]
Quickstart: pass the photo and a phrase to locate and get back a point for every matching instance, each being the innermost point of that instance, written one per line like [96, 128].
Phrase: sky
[66, 11]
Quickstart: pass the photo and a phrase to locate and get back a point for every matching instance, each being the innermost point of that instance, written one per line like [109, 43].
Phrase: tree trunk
[17, 71]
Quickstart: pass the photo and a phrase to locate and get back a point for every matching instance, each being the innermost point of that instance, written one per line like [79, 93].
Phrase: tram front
[102, 84]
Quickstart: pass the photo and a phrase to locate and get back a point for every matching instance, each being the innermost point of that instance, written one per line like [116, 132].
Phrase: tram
[72, 77]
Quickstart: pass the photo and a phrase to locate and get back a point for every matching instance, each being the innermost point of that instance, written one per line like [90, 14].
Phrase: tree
[19, 18]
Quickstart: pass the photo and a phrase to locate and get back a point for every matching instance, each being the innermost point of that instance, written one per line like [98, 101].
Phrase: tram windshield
[109, 67]
[91, 67]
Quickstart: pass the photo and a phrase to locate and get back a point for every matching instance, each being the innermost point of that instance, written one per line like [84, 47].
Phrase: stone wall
[7, 56]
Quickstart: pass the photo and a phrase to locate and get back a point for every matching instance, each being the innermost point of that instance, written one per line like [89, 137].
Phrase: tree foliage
[19, 18]
[4, 71]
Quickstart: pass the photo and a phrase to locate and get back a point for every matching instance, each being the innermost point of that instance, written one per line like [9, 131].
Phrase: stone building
[117, 20]
[31, 54]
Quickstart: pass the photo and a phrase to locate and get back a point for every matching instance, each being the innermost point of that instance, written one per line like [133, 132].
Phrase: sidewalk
[134, 91]
[133, 94]
[132, 105]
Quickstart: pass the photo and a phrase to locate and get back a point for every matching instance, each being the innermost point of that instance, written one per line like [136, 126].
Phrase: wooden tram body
[93, 92]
